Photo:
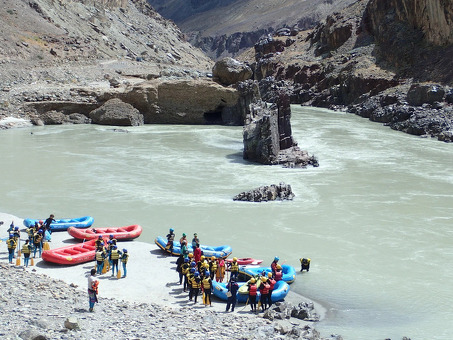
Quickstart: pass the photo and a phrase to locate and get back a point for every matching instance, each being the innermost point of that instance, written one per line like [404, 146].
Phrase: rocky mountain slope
[388, 60]
[228, 27]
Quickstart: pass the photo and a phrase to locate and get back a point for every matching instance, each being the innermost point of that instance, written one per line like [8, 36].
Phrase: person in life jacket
[184, 270]
[124, 259]
[190, 277]
[100, 256]
[274, 264]
[233, 288]
[305, 264]
[93, 284]
[252, 293]
[114, 257]
[220, 273]
[272, 283]
[37, 242]
[12, 244]
[26, 250]
[16, 234]
[179, 263]
[30, 232]
[200, 263]
[213, 267]
[207, 288]
[278, 276]
[234, 268]
[98, 242]
[264, 290]
[112, 239]
[170, 239]
[196, 284]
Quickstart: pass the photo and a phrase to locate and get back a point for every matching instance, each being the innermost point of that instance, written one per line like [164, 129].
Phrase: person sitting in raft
[48, 222]
[195, 240]
[274, 264]
[252, 293]
[305, 264]
[93, 284]
[170, 239]
[26, 250]
[124, 259]
[234, 268]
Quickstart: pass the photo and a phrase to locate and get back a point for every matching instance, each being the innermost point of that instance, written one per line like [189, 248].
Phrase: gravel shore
[45, 301]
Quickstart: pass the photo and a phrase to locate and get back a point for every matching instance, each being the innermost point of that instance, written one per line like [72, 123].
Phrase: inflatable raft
[120, 233]
[221, 251]
[73, 254]
[64, 224]
[243, 261]
[289, 272]
[279, 293]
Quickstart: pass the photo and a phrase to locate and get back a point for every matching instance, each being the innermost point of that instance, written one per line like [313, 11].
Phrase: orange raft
[120, 233]
[73, 254]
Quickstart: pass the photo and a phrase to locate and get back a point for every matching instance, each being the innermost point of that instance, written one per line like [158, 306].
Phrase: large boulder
[420, 94]
[229, 71]
[118, 113]
[281, 192]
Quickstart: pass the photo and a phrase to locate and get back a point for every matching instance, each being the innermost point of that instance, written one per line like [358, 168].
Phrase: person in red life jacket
[252, 293]
[233, 288]
[274, 264]
[264, 290]
[272, 283]
[278, 273]
[197, 253]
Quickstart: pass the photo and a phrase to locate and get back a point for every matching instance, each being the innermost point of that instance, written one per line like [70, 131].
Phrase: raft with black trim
[289, 272]
[65, 223]
[208, 251]
[72, 254]
[281, 289]
[120, 233]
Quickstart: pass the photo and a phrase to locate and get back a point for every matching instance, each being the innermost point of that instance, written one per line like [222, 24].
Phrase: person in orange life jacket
[197, 253]
[278, 273]
[264, 290]
[213, 267]
[26, 250]
[12, 244]
[196, 284]
[179, 263]
[93, 284]
[37, 239]
[233, 288]
[184, 270]
[207, 288]
[274, 264]
[234, 268]
[114, 257]
[252, 293]
[190, 277]
[272, 283]
[170, 239]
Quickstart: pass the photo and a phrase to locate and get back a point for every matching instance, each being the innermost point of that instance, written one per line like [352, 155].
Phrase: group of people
[108, 256]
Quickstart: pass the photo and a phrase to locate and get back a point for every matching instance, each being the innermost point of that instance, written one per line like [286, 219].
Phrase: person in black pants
[232, 287]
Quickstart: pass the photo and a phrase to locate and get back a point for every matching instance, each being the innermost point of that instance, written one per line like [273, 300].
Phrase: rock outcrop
[229, 71]
[281, 192]
[115, 112]
[267, 136]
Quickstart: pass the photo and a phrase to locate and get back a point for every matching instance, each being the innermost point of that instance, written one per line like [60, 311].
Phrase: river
[376, 217]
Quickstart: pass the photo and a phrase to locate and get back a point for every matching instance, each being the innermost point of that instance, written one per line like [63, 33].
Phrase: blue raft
[221, 251]
[289, 273]
[279, 293]
[64, 224]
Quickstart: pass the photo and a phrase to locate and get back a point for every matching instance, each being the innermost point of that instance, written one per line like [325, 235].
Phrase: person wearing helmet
[196, 284]
[30, 232]
[272, 283]
[93, 284]
[12, 244]
[179, 263]
[185, 269]
[113, 239]
[124, 259]
[278, 276]
[274, 264]
[220, 273]
[98, 241]
[305, 264]
[170, 239]
[234, 268]
[100, 257]
[190, 277]
[16, 235]
[213, 267]
[207, 288]
[264, 290]
[37, 242]
[114, 257]
[252, 293]
[195, 240]
[233, 288]
[184, 251]
[26, 250]
[48, 222]
[183, 239]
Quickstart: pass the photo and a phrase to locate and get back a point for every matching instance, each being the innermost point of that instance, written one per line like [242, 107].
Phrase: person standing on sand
[93, 284]
[233, 288]
[48, 222]
[197, 253]
[26, 250]
[114, 257]
[11, 243]
[179, 263]
[220, 273]
[124, 259]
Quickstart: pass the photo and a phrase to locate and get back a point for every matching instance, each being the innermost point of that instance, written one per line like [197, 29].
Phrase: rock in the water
[267, 193]
[229, 71]
[116, 112]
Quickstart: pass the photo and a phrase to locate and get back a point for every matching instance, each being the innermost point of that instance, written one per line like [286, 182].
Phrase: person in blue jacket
[233, 288]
